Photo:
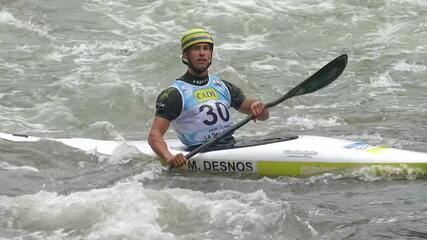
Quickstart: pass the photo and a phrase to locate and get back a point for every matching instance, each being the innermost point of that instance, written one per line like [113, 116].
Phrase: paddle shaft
[318, 80]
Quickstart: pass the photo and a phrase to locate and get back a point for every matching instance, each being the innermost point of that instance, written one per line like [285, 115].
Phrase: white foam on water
[243, 43]
[127, 210]
[381, 83]
[106, 7]
[317, 106]
[384, 220]
[381, 173]
[124, 154]
[105, 128]
[303, 6]
[388, 33]
[55, 56]
[123, 211]
[53, 113]
[239, 214]
[109, 3]
[74, 80]
[140, 20]
[416, 3]
[307, 122]
[263, 65]
[97, 51]
[8, 18]
[11, 66]
[8, 166]
[384, 37]
[403, 66]
[15, 121]
[27, 48]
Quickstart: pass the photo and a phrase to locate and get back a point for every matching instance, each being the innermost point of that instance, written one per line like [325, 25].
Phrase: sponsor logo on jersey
[206, 94]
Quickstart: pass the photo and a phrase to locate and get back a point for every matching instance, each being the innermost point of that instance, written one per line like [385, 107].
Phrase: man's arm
[254, 107]
[159, 145]
[168, 107]
[245, 104]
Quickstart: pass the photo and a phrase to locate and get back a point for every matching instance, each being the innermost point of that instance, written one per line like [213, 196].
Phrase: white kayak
[291, 156]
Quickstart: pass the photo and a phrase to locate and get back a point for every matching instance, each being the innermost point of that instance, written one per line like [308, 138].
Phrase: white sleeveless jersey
[205, 111]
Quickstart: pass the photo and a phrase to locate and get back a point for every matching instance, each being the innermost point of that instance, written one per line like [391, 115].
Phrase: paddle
[318, 80]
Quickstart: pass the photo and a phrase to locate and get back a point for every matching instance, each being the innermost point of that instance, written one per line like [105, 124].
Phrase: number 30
[221, 111]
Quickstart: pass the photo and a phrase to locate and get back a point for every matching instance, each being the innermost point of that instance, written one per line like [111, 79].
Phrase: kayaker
[197, 104]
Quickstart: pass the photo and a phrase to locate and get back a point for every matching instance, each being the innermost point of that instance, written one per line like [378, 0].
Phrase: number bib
[205, 111]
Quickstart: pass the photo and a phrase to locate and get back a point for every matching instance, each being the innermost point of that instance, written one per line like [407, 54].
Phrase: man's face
[199, 56]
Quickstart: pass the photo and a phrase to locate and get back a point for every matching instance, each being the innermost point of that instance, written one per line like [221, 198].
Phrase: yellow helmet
[195, 35]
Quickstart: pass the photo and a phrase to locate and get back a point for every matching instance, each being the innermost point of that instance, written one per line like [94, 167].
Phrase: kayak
[284, 156]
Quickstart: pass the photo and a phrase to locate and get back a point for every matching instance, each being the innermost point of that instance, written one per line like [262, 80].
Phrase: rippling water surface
[93, 68]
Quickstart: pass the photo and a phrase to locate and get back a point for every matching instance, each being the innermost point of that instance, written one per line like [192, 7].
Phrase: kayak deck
[291, 156]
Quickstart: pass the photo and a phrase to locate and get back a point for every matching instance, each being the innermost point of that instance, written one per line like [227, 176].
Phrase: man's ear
[185, 55]
[184, 58]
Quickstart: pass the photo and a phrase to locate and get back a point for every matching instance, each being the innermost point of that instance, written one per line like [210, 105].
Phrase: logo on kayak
[299, 153]
[360, 145]
[220, 166]
[205, 94]
[376, 149]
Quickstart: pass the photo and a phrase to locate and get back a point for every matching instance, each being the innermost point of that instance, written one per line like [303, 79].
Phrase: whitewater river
[93, 68]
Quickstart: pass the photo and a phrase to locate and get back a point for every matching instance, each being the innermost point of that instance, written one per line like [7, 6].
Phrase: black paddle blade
[318, 80]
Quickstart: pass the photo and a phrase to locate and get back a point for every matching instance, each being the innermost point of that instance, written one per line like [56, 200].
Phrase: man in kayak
[197, 104]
